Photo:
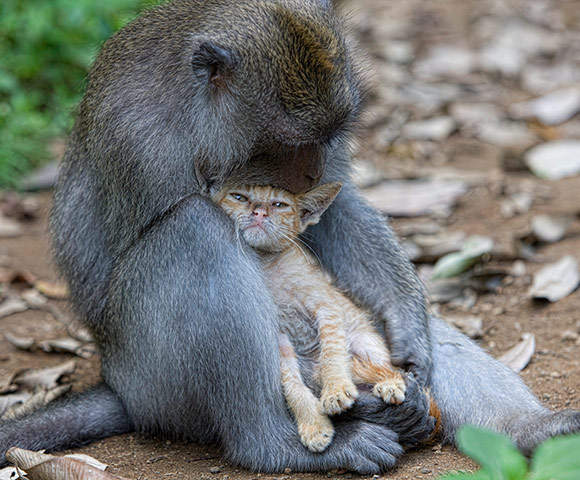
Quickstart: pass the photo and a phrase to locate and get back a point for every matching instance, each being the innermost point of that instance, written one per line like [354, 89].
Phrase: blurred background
[46, 49]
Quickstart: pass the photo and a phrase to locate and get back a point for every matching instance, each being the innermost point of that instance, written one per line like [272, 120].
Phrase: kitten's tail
[470, 387]
[72, 421]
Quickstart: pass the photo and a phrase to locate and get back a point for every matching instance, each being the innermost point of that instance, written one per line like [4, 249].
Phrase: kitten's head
[270, 219]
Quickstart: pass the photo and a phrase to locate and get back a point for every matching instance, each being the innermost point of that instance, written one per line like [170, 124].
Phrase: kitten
[349, 349]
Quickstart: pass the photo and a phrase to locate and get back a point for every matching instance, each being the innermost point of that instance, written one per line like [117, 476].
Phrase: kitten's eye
[280, 205]
[239, 197]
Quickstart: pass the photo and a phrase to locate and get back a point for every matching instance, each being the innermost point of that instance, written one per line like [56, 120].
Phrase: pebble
[287, 470]
[215, 470]
[570, 336]
[556, 375]
[425, 471]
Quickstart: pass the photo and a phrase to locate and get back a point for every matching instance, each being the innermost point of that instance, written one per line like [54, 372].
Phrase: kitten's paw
[317, 437]
[337, 398]
[391, 390]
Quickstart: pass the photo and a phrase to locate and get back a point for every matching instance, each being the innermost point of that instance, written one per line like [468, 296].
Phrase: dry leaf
[550, 229]
[557, 280]
[34, 402]
[9, 473]
[555, 160]
[471, 325]
[415, 198]
[46, 378]
[56, 291]
[22, 343]
[7, 401]
[12, 305]
[9, 227]
[520, 354]
[41, 466]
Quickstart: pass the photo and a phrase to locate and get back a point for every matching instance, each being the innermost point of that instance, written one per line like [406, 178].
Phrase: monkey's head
[260, 90]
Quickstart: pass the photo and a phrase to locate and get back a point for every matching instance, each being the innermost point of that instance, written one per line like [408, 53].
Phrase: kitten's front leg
[338, 390]
[314, 426]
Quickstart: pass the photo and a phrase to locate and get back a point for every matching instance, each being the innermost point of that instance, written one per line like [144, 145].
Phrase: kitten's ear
[314, 203]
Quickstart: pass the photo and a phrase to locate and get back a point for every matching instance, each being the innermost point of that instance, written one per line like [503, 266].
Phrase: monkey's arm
[356, 245]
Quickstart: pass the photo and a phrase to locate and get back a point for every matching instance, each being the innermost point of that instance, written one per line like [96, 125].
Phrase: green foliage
[46, 48]
[556, 459]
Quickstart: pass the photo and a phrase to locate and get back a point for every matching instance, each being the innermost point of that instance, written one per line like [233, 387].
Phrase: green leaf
[557, 459]
[457, 262]
[494, 452]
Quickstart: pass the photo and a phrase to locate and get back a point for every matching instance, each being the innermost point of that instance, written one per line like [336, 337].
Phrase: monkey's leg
[193, 352]
[356, 245]
[314, 426]
[471, 387]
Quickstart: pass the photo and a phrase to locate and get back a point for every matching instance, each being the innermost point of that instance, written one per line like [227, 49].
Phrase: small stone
[425, 471]
[570, 336]
[168, 442]
[556, 375]
[287, 470]
[215, 470]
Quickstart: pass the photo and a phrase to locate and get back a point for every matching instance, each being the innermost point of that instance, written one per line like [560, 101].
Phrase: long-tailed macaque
[186, 96]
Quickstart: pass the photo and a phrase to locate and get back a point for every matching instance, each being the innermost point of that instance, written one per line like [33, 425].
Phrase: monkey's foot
[317, 436]
[391, 390]
[337, 398]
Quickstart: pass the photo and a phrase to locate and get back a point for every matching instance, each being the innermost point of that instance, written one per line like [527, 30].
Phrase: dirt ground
[554, 371]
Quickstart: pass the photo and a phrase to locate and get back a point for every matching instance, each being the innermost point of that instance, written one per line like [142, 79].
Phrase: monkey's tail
[74, 420]
[471, 387]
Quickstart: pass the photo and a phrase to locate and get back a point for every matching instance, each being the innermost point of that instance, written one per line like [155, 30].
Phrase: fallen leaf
[7, 401]
[415, 197]
[41, 466]
[10, 473]
[22, 343]
[471, 325]
[557, 280]
[46, 378]
[454, 263]
[550, 229]
[67, 345]
[9, 227]
[436, 129]
[56, 291]
[554, 160]
[518, 357]
[551, 109]
[12, 305]
[34, 402]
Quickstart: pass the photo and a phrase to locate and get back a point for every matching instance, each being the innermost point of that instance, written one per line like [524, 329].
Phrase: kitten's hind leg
[388, 384]
[314, 426]
[370, 363]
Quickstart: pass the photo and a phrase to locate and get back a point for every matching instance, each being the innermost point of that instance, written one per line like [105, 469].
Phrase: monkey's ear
[214, 64]
[314, 203]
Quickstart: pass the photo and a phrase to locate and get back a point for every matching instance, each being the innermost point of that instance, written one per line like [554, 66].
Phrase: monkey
[188, 95]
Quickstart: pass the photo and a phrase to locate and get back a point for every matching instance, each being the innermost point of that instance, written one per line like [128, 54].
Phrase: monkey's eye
[239, 197]
[280, 205]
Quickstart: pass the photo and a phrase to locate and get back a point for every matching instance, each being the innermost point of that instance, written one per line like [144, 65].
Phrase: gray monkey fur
[192, 93]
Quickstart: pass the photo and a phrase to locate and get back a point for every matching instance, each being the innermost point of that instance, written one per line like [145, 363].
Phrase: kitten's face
[270, 219]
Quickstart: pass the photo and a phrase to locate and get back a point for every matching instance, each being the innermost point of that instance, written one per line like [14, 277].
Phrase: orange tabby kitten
[350, 350]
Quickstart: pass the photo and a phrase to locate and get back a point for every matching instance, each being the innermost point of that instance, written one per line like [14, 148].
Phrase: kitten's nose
[260, 212]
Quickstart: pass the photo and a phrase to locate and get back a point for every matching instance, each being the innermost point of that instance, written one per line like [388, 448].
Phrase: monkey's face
[284, 91]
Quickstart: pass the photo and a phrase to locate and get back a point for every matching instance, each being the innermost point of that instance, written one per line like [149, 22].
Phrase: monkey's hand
[410, 347]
